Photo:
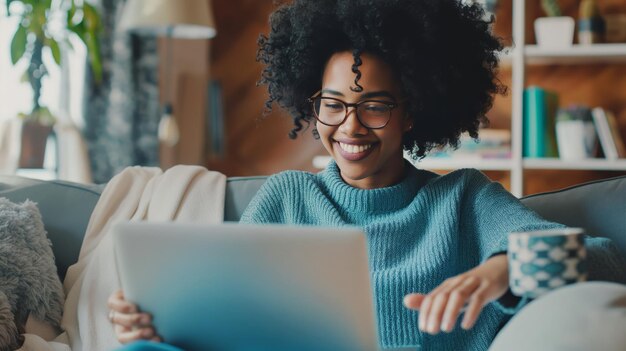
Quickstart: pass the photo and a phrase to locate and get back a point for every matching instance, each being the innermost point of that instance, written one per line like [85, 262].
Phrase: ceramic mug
[540, 261]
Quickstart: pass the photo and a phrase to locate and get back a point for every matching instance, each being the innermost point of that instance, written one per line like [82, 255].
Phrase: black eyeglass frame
[346, 105]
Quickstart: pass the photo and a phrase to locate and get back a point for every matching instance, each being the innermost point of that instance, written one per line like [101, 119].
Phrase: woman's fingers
[413, 301]
[131, 320]
[136, 334]
[129, 324]
[476, 303]
[433, 305]
[436, 313]
[118, 303]
[458, 297]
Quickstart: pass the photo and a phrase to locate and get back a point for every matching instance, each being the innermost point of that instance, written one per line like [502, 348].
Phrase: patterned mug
[543, 260]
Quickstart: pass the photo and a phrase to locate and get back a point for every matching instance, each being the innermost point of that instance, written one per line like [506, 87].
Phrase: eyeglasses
[372, 114]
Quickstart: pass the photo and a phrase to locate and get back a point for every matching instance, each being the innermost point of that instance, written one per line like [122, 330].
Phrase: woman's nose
[352, 125]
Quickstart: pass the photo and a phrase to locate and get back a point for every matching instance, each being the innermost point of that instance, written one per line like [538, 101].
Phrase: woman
[378, 78]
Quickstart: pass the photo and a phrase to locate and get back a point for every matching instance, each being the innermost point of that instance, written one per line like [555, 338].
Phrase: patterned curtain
[122, 113]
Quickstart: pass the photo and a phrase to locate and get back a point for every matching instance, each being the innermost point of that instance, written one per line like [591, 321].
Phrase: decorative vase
[554, 32]
[33, 144]
[576, 133]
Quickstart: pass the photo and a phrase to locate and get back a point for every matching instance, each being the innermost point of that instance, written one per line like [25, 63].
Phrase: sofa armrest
[599, 207]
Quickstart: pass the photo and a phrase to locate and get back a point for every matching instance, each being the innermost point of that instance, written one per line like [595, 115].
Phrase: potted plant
[48, 24]
[555, 31]
[590, 23]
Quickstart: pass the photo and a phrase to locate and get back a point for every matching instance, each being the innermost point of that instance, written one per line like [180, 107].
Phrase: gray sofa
[599, 207]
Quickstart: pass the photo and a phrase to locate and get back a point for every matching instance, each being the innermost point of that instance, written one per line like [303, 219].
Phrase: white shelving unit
[518, 58]
[592, 164]
[450, 164]
[577, 54]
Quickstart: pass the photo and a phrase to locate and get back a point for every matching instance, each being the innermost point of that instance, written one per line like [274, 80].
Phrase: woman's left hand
[440, 309]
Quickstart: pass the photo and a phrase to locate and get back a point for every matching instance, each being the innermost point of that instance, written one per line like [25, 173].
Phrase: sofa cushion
[599, 207]
[239, 192]
[65, 209]
[28, 276]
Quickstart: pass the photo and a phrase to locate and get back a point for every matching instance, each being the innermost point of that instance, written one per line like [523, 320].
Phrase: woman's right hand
[129, 324]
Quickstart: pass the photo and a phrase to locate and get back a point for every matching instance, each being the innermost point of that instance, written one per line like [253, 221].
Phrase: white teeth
[353, 149]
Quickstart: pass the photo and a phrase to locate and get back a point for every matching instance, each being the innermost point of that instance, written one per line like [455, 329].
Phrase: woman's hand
[440, 309]
[129, 324]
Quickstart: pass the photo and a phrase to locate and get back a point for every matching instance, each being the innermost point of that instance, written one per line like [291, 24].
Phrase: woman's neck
[389, 175]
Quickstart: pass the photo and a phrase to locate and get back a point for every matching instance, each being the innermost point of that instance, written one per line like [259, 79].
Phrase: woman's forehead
[375, 74]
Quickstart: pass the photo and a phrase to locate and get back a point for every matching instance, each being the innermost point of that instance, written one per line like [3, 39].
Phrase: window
[62, 89]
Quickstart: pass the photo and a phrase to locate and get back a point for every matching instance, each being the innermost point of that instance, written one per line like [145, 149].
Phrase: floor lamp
[181, 19]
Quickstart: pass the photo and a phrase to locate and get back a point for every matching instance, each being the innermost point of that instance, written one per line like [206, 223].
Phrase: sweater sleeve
[492, 213]
[489, 213]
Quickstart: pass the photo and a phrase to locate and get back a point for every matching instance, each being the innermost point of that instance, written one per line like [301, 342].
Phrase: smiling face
[367, 158]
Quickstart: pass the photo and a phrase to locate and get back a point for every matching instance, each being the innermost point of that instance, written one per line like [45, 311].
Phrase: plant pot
[34, 139]
[554, 32]
[576, 139]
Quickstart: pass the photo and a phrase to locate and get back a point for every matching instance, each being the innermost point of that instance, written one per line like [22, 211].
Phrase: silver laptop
[250, 287]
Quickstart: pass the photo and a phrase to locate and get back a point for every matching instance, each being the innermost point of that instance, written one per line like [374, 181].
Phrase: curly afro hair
[442, 51]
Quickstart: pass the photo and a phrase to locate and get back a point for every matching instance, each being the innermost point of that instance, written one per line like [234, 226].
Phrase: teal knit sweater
[421, 231]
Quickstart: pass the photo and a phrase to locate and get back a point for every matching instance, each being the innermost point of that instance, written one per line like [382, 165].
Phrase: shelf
[576, 54]
[458, 163]
[320, 162]
[597, 164]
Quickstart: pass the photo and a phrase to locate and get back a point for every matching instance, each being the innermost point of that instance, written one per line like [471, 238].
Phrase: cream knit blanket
[182, 193]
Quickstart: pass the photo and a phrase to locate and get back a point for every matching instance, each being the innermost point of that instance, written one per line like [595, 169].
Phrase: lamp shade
[187, 19]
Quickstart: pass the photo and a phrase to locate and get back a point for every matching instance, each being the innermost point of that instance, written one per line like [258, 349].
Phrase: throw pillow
[29, 284]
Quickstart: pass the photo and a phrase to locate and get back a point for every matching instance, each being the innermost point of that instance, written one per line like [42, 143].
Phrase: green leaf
[93, 50]
[56, 50]
[71, 12]
[18, 44]
[91, 18]
[78, 29]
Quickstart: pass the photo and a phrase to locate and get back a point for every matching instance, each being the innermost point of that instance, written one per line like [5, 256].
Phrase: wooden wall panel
[255, 144]
[184, 76]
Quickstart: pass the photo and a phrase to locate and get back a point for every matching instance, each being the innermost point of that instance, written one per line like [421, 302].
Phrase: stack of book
[491, 144]
[569, 133]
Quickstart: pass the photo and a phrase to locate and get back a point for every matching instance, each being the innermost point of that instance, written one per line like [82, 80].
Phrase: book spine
[534, 123]
[620, 148]
[604, 133]
[549, 138]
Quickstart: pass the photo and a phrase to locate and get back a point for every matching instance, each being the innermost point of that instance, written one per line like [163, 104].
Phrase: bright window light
[16, 94]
